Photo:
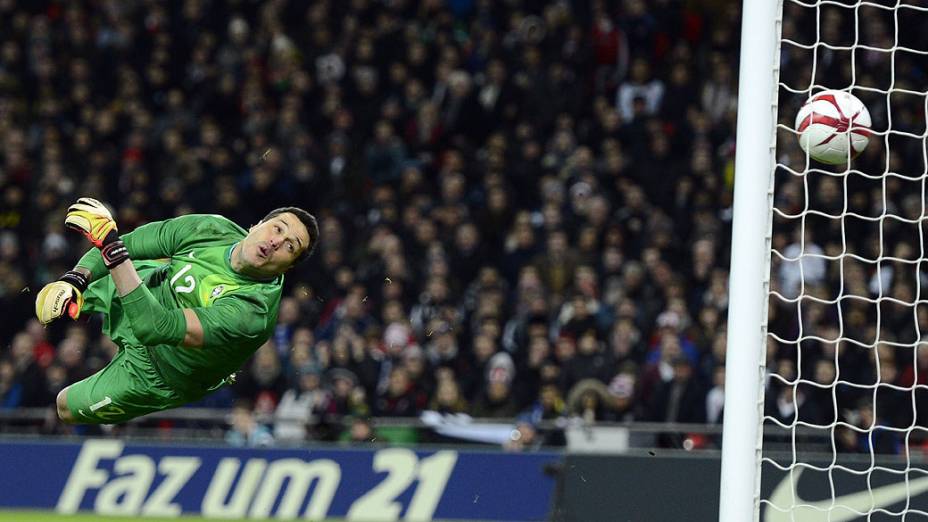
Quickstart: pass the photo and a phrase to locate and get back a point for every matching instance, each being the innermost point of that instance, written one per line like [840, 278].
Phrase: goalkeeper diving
[188, 300]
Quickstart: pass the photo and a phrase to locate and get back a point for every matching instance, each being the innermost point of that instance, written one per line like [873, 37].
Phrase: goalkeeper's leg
[126, 388]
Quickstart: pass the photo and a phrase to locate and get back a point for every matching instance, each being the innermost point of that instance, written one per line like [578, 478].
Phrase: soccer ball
[833, 126]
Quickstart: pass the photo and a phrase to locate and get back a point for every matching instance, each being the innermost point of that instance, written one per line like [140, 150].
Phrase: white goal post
[750, 265]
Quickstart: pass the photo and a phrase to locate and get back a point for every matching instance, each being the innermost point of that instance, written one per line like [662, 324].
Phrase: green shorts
[127, 387]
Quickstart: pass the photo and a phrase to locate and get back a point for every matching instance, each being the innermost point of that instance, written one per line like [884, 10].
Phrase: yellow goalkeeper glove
[89, 217]
[64, 296]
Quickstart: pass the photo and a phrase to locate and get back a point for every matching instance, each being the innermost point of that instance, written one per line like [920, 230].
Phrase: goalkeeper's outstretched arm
[155, 240]
[151, 322]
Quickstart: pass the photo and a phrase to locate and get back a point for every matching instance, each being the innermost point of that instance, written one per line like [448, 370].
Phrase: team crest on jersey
[216, 291]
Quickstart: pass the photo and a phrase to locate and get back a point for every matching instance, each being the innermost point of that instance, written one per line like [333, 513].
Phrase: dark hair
[308, 220]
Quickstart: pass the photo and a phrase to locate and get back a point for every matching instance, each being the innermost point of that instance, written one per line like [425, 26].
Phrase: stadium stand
[524, 206]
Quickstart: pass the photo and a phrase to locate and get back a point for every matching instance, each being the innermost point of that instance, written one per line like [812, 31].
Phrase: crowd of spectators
[525, 207]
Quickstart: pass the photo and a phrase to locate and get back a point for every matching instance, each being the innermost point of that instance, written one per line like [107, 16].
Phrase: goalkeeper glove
[89, 217]
[64, 296]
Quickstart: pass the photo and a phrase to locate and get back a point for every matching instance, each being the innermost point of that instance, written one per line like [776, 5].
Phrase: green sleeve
[233, 320]
[93, 261]
[152, 323]
[230, 321]
[160, 239]
[155, 240]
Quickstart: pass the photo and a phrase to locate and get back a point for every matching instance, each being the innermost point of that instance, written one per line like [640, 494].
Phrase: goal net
[845, 413]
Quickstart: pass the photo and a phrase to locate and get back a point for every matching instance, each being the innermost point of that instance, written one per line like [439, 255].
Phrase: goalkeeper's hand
[89, 217]
[61, 297]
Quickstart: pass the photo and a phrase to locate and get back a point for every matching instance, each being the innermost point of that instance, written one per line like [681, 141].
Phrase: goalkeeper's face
[271, 247]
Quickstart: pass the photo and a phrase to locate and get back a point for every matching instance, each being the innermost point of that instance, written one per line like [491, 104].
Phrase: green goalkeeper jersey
[185, 263]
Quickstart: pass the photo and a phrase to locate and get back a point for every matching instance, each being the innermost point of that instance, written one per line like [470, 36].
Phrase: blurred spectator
[549, 406]
[359, 431]
[867, 434]
[682, 398]
[641, 89]
[622, 400]
[265, 375]
[11, 391]
[287, 317]
[401, 398]
[418, 370]
[347, 397]
[245, 431]
[589, 362]
[448, 398]
[299, 406]
[29, 377]
[802, 264]
[587, 400]
[496, 400]
[557, 264]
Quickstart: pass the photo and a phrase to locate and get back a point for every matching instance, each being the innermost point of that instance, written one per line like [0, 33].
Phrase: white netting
[847, 396]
